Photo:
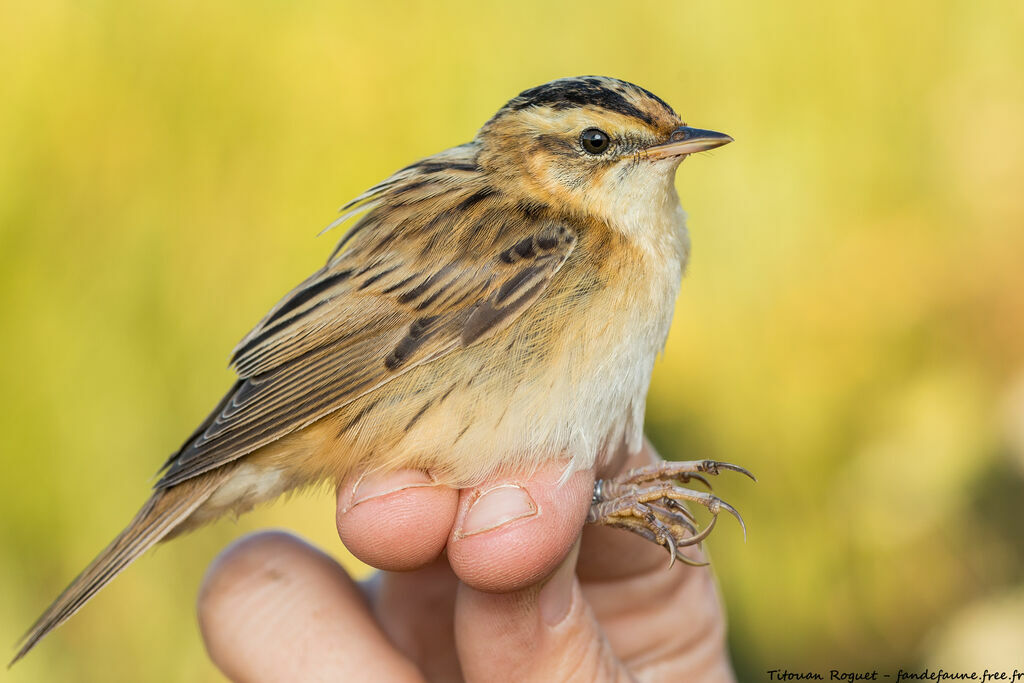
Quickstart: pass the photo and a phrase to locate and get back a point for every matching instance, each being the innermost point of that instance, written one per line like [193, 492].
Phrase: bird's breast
[568, 379]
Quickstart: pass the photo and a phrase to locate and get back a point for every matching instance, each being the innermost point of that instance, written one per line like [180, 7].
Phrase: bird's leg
[649, 501]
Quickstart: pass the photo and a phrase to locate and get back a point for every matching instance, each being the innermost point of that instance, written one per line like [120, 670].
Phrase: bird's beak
[685, 140]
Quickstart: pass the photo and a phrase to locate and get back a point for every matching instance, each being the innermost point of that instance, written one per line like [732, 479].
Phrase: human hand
[506, 589]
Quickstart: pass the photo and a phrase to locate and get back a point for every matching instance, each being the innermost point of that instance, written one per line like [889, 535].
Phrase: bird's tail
[162, 514]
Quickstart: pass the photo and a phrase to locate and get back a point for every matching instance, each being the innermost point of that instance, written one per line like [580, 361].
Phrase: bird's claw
[649, 502]
[734, 468]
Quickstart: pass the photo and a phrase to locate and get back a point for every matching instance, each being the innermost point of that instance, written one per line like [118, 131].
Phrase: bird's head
[594, 145]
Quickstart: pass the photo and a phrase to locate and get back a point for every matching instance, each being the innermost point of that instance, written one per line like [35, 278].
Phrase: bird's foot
[650, 502]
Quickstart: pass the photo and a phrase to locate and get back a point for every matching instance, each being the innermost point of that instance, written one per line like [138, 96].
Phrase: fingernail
[555, 598]
[374, 484]
[495, 507]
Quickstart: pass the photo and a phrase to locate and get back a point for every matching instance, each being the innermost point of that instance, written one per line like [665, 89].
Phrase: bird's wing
[413, 285]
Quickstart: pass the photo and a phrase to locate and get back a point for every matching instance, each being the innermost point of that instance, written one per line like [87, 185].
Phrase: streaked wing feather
[386, 304]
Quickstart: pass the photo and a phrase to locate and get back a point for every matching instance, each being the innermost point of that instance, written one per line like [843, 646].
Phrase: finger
[538, 633]
[401, 522]
[416, 610]
[511, 532]
[398, 522]
[663, 623]
[273, 608]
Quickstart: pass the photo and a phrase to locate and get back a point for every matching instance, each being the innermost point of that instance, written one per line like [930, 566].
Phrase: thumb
[540, 633]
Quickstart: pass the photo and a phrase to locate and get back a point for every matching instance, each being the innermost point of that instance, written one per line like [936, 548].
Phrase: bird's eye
[594, 141]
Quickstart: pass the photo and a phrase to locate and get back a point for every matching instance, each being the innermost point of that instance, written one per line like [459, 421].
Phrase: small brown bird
[495, 305]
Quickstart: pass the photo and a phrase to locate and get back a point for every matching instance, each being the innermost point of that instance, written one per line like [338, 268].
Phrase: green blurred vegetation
[851, 328]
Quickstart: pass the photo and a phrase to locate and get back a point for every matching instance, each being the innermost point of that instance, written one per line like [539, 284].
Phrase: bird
[489, 308]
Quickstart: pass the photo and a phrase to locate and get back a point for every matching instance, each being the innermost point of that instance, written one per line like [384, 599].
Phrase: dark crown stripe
[589, 91]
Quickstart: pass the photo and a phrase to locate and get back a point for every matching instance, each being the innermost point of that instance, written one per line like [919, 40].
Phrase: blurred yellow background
[851, 327]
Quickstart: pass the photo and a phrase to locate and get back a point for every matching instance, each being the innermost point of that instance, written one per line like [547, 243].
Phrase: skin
[527, 600]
